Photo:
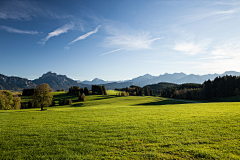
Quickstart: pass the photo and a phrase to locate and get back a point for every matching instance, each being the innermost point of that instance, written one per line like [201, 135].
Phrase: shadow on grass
[63, 96]
[162, 102]
[103, 97]
[84, 104]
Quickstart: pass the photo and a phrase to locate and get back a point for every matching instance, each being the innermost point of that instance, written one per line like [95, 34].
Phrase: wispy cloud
[57, 32]
[222, 58]
[229, 50]
[86, 35]
[192, 48]
[14, 30]
[83, 36]
[218, 13]
[26, 10]
[132, 40]
[112, 51]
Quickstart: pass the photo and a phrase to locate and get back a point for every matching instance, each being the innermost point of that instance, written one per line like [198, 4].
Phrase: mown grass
[110, 127]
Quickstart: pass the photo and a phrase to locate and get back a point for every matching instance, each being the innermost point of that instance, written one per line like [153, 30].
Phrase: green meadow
[111, 127]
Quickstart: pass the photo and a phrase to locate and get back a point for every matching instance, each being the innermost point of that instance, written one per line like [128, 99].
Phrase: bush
[82, 97]
[67, 102]
[61, 102]
[24, 105]
[53, 103]
[30, 104]
[16, 103]
[123, 94]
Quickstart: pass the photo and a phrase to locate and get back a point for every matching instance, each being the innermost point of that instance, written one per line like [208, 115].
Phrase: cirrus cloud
[14, 30]
[192, 48]
[128, 39]
[57, 32]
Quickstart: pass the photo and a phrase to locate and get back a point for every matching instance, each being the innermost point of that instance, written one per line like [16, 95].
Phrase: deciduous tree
[42, 95]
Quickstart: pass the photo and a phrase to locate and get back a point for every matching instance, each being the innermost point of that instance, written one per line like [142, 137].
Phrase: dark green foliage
[146, 92]
[24, 105]
[73, 90]
[104, 90]
[53, 103]
[220, 87]
[82, 97]
[141, 92]
[67, 102]
[42, 95]
[30, 104]
[151, 92]
[236, 92]
[86, 91]
[61, 102]
[28, 92]
[97, 90]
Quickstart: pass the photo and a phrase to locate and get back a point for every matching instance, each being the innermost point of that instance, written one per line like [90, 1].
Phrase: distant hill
[113, 85]
[178, 78]
[15, 83]
[160, 86]
[96, 81]
[56, 81]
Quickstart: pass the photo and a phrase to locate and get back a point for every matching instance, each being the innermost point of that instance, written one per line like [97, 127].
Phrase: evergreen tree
[86, 91]
[104, 90]
[151, 92]
[146, 92]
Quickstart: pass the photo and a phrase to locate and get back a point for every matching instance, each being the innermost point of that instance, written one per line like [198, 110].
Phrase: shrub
[67, 102]
[16, 103]
[61, 102]
[53, 103]
[82, 97]
[24, 105]
[30, 104]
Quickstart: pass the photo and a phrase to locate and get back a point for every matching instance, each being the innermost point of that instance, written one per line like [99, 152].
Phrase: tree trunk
[41, 107]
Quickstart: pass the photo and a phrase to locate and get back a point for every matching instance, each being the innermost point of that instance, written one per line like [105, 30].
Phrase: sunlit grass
[113, 127]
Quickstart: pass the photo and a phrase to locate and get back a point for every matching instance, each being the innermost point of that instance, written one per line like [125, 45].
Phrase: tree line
[136, 91]
[220, 87]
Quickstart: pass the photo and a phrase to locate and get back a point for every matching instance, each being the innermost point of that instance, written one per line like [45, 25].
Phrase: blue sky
[117, 40]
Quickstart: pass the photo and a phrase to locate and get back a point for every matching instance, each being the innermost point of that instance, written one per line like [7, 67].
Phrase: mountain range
[57, 81]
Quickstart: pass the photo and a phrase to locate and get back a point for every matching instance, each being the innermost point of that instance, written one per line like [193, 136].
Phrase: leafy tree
[42, 95]
[4, 102]
[7, 101]
[16, 103]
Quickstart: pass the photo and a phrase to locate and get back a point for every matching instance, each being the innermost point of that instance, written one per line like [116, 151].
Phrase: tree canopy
[42, 95]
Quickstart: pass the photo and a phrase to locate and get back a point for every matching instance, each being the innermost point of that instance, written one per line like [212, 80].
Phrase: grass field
[110, 127]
